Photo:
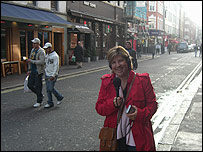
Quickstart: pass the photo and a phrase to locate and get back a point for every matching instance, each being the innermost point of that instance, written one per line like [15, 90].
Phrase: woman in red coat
[134, 131]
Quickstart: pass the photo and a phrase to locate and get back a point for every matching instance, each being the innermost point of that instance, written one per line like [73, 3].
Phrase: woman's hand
[117, 101]
[133, 115]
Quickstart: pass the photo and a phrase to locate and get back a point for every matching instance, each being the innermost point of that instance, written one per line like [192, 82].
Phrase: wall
[102, 9]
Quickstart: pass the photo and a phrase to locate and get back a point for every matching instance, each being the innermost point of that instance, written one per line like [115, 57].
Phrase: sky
[194, 11]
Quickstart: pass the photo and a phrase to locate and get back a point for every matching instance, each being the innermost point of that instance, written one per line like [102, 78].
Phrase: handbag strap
[123, 104]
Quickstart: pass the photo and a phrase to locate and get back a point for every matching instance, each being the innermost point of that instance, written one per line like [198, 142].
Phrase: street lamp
[164, 27]
[125, 16]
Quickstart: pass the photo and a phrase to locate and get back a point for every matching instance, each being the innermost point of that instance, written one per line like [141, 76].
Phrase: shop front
[82, 33]
[19, 25]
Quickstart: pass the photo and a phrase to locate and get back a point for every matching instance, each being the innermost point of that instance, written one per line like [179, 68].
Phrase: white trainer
[60, 101]
[37, 105]
[48, 106]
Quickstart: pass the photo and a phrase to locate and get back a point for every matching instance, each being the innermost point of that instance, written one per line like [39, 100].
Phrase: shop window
[46, 37]
[54, 5]
[81, 21]
[23, 43]
[104, 28]
[3, 43]
[89, 24]
[82, 40]
[30, 36]
[73, 40]
[41, 38]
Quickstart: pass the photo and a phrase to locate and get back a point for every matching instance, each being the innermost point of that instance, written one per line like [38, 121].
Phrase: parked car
[182, 47]
[191, 47]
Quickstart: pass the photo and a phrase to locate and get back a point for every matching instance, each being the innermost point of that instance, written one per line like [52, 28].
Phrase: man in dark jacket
[152, 49]
[132, 54]
[78, 52]
[138, 49]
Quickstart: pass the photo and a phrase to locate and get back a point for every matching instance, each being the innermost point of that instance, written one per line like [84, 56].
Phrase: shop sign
[89, 4]
[79, 26]
[156, 33]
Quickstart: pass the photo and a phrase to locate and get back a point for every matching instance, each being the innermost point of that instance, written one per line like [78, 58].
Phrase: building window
[152, 6]
[32, 3]
[118, 3]
[3, 44]
[54, 5]
[46, 37]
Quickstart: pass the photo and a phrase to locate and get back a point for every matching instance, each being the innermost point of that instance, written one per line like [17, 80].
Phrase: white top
[52, 64]
[124, 125]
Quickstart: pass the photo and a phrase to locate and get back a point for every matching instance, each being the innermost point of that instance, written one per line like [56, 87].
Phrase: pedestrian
[78, 51]
[132, 53]
[152, 49]
[196, 49]
[157, 48]
[36, 63]
[51, 75]
[134, 131]
[169, 48]
[200, 51]
[138, 49]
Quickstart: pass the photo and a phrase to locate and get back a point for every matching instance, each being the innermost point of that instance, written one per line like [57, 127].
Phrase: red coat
[142, 96]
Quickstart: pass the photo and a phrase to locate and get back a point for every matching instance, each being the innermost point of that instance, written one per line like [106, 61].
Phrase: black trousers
[35, 85]
[123, 147]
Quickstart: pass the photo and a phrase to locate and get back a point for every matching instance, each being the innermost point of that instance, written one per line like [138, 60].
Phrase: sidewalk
[184, 132]
[14, 80]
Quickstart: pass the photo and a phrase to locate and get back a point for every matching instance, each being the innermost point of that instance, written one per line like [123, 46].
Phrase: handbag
[107, 136]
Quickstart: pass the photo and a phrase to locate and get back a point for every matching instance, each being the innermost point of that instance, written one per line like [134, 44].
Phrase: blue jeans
[35, 85]
[50, 89]
[195, 53]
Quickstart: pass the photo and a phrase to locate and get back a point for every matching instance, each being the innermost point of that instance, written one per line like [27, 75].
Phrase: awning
[174, 41]
[27, 15]
[80, 28]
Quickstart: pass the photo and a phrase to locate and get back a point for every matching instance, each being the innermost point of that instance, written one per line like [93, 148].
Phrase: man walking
[51, 75]
[132, 54]
[78, 52]
[152, 49]
[35, 70]
[169, 48]
[138, 49]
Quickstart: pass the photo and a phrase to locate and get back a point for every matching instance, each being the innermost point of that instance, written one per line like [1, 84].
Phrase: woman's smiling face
[119, 66]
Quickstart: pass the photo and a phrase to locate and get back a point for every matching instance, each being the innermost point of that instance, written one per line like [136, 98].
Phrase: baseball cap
[36, 40]
[47, 45]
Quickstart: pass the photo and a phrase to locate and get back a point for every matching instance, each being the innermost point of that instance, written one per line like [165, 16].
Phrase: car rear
[182, 48]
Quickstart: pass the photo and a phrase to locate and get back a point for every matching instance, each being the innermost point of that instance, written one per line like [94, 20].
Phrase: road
[74, 125]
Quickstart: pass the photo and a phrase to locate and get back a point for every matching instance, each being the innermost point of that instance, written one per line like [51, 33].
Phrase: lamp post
[164, 28]
[125, 16]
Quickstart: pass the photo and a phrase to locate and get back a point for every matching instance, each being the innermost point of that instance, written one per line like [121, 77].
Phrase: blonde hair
[119, 50]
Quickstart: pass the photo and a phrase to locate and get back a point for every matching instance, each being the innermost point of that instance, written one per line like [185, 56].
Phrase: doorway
[58, 46]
